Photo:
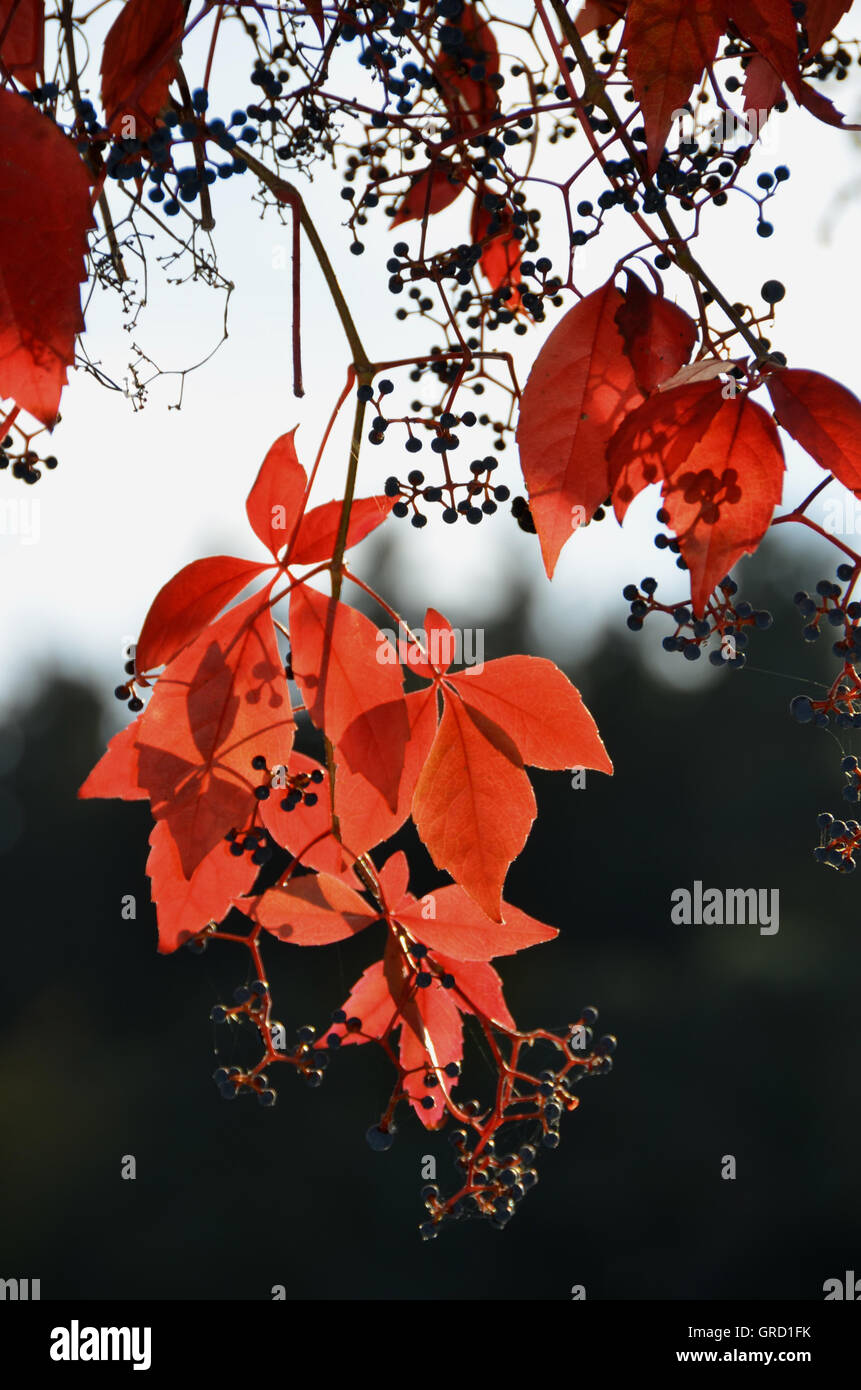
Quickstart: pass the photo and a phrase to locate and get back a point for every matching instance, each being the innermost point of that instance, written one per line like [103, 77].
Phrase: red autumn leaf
[22, 39]
[116, 772]
[579, 390]
[41, 257]
[762, 88]
[821, 17]
[721, 498]
[431, 1039]
[371, 1002]
[500, 257]
[430, 190]
[477, 989]
[187, 602]
[654, 439]
[596, 13]
[823, 109]
[770, 26]
[275, 501]
[311, 911]
[394, 880]
[352, 688]
[305, 830]
[440, 647]
[824, 418]
[221, 702]
[670, 43]
[473, 805]
[318, 530]
[186, 905]
[365, 815]
[139, 62]
[449, 920]
[659, 336]
[470, 100]
[539, 708]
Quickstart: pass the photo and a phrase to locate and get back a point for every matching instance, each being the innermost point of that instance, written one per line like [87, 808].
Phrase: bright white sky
[137, 495]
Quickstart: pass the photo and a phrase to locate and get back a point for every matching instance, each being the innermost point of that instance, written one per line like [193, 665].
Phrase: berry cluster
[724, 618]
[833, 607]
[838, 842]
[296, 785]
[24, 465]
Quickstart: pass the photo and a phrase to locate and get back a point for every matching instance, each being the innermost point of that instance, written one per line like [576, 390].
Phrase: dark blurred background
[729, 1042]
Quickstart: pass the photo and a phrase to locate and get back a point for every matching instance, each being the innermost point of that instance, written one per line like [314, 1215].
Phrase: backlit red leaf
[139, 62]
[22, 39]
[762, 88]
[821, 17]
[318, 530]
[824, 417]
[473, 805]
[311, 911]
[351, 686]
[659, 336]
[186, 905]
[500, 256]
[477, 989]
[771, 28]
[596, 13]
[578, 392]
[430, 191]
[654, 439]
[722, 497]
[449, 920]
[221, 702]
[116, 772]
[41, 256]
[670, 43]
[431, 1038]
[371, 1002]
[274, 503]
[539, 708]
[187, 602]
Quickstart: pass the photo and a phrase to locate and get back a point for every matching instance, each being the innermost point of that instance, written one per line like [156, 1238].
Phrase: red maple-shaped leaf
[22, 39]
[670, 43]
[41, 257]
[500, 256]
[185, 905]
[655, 439]
[659, 336]
[221, 702]
[473, 806]
[351, 687]
[579, 390]
[721, 499]
[824, 417]
[187, 603]
[430, 190]
[313, 910]
[139, 62]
